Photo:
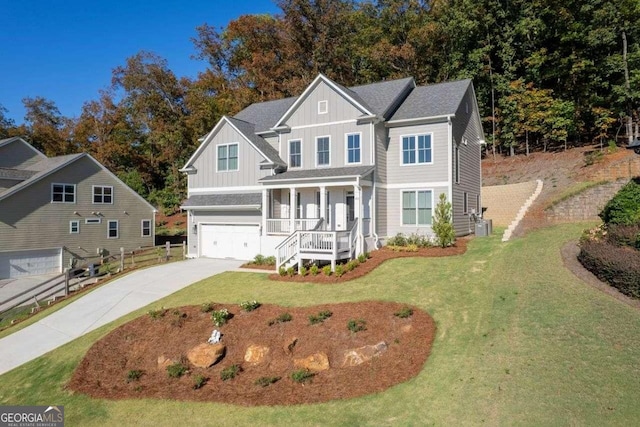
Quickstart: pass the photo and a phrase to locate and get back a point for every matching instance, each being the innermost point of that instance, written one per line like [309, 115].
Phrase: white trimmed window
[112, 229]
[295, 153]
[465, 203]
[146, 227]
[102, 194]
[353, 148]
[417, 207]
[93, 220]
[456, 165]
[323, 149]
[63, 193]
[74, 226]
[416, 149]
[323, 107]
[227, 157]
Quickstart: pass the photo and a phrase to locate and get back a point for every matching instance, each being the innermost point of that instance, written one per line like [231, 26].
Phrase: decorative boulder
[163, 362]
[316, 362]
[205, 355]
[358, 356]
[406, 329]
[290, 344]
[256, 354]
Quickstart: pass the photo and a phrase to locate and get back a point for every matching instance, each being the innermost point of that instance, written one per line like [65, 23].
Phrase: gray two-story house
[60, 209]
[335, 171]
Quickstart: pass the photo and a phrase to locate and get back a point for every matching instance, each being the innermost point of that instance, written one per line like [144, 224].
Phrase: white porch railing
[283, 225]
[305, 244]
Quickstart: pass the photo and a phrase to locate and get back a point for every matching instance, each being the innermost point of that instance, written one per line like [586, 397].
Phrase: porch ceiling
[350, 172]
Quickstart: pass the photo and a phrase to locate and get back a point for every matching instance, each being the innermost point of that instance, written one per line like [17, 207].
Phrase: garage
[30, 262]
[236, 241]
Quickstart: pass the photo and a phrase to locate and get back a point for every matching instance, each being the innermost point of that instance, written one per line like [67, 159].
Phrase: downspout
[451, 159]
[376, 239]
[361, 211]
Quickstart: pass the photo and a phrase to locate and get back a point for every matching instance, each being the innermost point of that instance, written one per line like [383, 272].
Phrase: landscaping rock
[406, 329]
[256, 354]
[358, 356]
[205, 355]
[316, 362]
[163, 362]
[290, 344]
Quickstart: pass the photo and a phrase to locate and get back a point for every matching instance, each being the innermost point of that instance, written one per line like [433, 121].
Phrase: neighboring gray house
[55, 209]
[335, 171]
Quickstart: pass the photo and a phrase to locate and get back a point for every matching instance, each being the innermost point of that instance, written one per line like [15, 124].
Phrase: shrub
[178, 318]
[362, 258]
[220, 317]
[418, 240]
[618, 266]
[404, 312]
[249, 305]
[593, 157]
[314, 270]
[351, 265]
[134, 375]
[157, 314]
[320, 317]
[302, 375]
[408, 248]
[357, 325]
[177, 370]
[258, 259]
[339, 270]
[624, 235]
[282, 271]
[206, 307]
[284, 317]
[290, 272]
[326, 270]
[442, 225]
[397, 240]
[199, 381]
[266, 381]
[303, 271]
[624, 207]
[230, 372]
[270, 260]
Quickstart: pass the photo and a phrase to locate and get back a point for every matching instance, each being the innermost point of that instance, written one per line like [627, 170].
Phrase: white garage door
[229, 241]
[27, 263]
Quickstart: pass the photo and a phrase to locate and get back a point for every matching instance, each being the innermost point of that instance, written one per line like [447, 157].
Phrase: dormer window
[323, 107]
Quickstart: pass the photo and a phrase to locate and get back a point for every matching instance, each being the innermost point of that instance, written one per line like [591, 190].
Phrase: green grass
[573, 190]
[520, 340]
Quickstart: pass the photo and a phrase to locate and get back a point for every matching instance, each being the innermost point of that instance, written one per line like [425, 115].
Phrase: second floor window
[102, 194]
[322, 144]
[228, 157]
[353, 148]
[416, 149]
[63, 193]
[295, 154]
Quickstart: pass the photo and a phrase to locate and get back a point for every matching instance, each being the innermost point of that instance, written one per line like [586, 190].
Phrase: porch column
[358, 211]
[323, 206]
[292, 209]
[265, 210]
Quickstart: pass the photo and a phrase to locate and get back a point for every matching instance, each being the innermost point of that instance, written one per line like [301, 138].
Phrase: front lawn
[520, 340]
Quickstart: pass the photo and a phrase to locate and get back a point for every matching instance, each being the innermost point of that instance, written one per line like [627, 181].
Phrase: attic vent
[323, 107]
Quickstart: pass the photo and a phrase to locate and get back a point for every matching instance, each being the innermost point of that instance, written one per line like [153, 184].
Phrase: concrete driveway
[11, 287]
[103, 305]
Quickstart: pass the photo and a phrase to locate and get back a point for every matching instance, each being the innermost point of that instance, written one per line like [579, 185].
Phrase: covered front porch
[325, 214]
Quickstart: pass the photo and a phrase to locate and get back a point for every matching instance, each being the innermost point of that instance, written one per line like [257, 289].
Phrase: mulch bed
[138, 344]
[377, 257]
[258, 266]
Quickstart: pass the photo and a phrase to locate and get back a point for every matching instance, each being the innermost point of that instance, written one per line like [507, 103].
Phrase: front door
[351, 209]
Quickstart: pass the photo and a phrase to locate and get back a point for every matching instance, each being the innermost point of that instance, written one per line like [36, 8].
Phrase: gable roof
[265, 114]
[248, 132]
[16, 174]
[8, 141]
[383, 96]
[441, 99]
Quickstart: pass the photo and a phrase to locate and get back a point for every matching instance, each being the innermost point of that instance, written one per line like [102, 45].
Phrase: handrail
[287, 249]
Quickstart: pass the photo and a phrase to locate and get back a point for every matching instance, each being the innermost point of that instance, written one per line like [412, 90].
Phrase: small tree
[442, 224]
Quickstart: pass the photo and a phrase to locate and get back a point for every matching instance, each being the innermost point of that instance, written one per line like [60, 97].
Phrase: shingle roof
[248, 129]
[381, 97]
[244, 199]
[349, 171]
[265, 114]
[17, 174]
[433, 100]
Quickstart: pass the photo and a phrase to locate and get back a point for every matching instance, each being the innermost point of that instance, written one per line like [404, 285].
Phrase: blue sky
[65, 50]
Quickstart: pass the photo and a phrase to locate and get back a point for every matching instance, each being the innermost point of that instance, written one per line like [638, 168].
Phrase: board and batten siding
[337, 145]
[206, 165]
[338, 108]
[211, 217]
[29, 220]
[381, 211]
[394, 210]
[437, 171]
[467, 134]
[17, 155]
[381, 142]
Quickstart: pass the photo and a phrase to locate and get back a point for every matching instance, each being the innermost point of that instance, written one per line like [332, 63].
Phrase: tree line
[547, 75]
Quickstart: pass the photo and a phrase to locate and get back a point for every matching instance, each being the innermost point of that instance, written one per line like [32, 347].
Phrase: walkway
[103, 305]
